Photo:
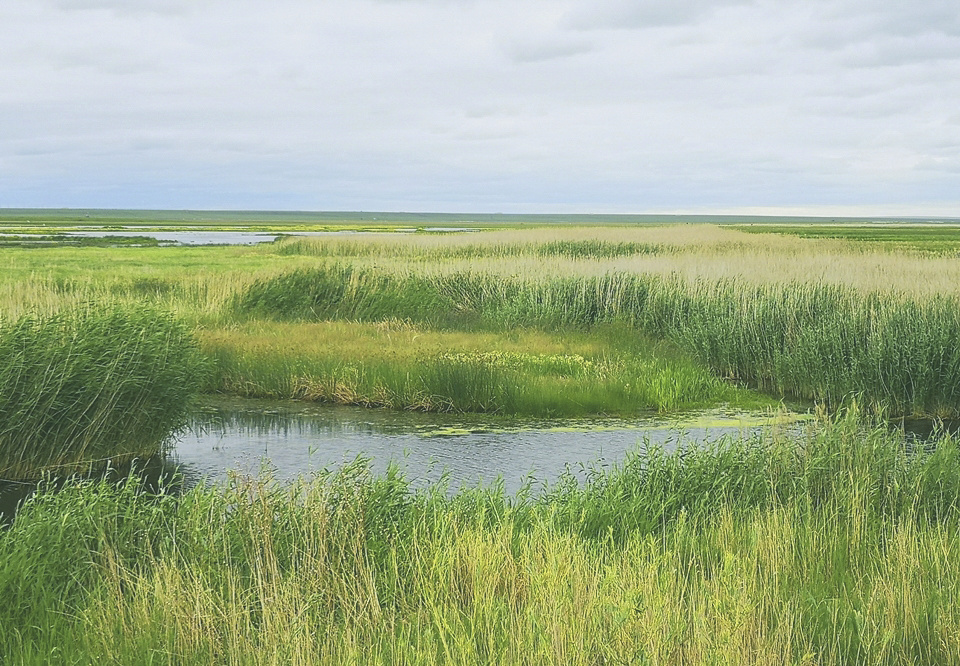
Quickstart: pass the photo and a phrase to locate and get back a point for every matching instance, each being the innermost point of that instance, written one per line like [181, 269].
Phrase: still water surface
[203, 237]
[290, 440]
[294, 439]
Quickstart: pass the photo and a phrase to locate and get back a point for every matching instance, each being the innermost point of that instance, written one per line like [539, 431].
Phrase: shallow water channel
[289, 440]
[201, 236]
[294, 439]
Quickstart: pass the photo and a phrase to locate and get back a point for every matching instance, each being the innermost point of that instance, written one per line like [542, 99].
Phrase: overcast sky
[455, 105]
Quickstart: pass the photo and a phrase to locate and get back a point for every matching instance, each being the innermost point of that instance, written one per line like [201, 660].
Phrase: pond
[200, 236]
[290, 440]
[297, 438]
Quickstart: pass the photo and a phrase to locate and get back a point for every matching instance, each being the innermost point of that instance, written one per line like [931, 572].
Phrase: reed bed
[91, 385]
[839, 550]
[693, 252]
[814, 319]
[517, 383]
[813, 341]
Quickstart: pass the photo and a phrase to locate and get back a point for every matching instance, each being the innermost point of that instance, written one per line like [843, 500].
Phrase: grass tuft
[91, 385]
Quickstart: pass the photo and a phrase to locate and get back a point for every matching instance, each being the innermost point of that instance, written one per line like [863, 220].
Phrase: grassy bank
[839, 551]
[91, 386]
[818, 342]
[711, 310]
[404, 365]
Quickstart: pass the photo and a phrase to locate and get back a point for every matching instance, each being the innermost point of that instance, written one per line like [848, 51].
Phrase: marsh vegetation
[832, 549]
[837, 549]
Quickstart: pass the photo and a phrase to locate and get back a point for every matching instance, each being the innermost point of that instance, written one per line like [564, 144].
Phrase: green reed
[820, 342]
[492, 382]
[836, 549]
[570, 249]
[90, 385]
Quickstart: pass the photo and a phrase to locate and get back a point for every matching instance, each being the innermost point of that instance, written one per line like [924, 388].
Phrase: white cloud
[631, 14]
[523, 50]
[534, 104]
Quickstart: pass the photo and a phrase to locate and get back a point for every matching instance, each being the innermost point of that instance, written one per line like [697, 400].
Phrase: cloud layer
[483, 105]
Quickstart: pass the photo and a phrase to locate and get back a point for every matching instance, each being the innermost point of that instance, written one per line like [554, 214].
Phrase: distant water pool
[202, 237]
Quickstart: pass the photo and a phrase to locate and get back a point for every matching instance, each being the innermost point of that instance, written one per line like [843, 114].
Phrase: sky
[607, 106]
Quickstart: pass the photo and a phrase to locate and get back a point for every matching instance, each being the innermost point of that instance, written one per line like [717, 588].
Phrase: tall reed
[91, 384]
[821, 342]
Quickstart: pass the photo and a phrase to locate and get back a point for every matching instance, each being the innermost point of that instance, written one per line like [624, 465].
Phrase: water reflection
[925, 430]
[294, 440]
[154, 473]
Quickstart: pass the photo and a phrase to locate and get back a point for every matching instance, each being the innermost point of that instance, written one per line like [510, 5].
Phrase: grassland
[703, 314]
[929, 239]
[837, 549]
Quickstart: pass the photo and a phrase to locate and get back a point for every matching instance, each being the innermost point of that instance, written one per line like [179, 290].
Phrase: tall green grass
[840, 549]
[826, 343]
[569, 248]
[491, 382]
[458, 300]
[821, 342]
[90, 385]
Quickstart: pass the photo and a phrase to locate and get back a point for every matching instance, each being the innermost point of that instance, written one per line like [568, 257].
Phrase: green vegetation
[91, 386]
[840, 549]
[39, 240]
[824, 343]
[940, 239]
[688, 302]
[818, 342]
[398, 364]
[542, 322]
[438, 251]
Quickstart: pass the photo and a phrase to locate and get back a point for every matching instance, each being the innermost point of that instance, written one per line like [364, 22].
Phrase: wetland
[433, 447]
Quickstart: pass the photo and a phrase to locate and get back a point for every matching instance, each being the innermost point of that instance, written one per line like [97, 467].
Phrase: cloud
[901, 51]
[128, 7]
[477, 105]
[630, 14]
[551, 48]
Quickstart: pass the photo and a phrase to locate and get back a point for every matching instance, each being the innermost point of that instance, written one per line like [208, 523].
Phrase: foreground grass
[841, 550]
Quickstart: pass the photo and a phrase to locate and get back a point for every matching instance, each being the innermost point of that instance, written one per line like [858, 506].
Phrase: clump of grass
[595, 249]
[843, 467]
[840, 550]
[342, 292]
[821, 342]
[89, 385]
[457, 300]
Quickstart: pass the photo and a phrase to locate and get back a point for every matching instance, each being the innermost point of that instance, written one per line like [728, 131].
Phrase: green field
[938, 239]
[837, 548]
